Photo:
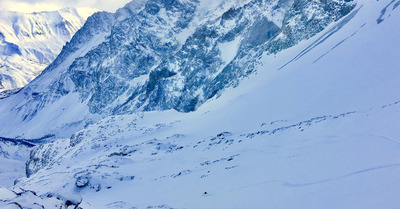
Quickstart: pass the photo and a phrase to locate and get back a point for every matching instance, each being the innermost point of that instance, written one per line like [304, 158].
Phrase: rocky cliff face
[160, 55]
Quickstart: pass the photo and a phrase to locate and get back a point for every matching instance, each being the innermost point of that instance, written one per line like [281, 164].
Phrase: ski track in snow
[324, 37]
[288, 184]
[338, 44]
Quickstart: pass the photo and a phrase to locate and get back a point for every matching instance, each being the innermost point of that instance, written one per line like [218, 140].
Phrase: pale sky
[49, 5]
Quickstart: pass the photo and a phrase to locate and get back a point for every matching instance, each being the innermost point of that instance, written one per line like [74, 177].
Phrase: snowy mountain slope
[13, 157]
[30, 42]
[316, 127]
[159, 55]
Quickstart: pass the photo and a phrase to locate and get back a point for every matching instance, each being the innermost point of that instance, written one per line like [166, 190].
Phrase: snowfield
[317, 126]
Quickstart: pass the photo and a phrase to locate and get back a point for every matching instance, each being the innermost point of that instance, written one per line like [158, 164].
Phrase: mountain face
[312, 120]
[161, 55]
[30, 42]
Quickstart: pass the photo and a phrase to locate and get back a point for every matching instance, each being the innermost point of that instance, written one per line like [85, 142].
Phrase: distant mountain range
[30, 42]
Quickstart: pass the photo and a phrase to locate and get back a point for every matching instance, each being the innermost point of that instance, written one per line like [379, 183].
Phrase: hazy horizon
[29, 6]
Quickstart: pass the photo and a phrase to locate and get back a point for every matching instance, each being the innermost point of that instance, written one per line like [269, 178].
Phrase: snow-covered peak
[161, 55]
[36, 38]
[33, 27]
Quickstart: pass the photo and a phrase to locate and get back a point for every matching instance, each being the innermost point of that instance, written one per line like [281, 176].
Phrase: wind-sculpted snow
[122, 152]
[161, 55]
